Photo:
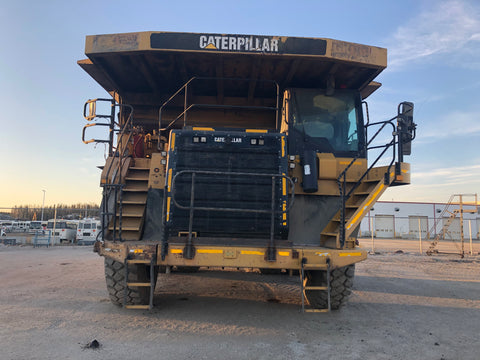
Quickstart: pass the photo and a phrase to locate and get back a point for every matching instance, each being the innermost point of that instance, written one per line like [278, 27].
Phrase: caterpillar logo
[239, 43]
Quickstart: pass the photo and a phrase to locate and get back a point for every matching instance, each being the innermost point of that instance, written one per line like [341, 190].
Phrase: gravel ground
[54, 303]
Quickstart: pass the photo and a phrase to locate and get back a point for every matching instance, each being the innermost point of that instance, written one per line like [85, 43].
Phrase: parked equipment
[87, 231]
[62, 231]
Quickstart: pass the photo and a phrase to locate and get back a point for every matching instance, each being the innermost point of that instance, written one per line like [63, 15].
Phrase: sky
[433, 56]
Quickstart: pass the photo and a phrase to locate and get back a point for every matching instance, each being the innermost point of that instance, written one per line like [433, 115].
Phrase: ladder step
[316, 310]
[372, 180]
[329, 234]
[137, 307]
[337, 218]
[134, 215]
[138, 261]
[133, 190]
[323, 288]
[138, 284]
[136, 178]
[125, 228]
[315, 267]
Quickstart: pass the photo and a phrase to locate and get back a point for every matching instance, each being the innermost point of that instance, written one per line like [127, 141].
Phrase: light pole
[43, 204]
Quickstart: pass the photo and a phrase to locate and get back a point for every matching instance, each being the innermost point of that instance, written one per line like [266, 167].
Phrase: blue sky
[434, 61]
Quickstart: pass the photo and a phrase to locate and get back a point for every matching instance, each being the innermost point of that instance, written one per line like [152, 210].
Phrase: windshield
[36, 225]
[58, 225]
[328, 123]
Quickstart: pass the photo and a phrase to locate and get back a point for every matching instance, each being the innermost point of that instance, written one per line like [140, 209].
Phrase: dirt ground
[53, 303]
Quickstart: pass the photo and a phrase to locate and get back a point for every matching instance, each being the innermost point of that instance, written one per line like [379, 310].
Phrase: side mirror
[92, 110]
[406, 128]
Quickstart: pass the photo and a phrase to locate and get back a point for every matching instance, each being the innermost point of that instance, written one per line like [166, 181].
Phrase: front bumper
[230, 256]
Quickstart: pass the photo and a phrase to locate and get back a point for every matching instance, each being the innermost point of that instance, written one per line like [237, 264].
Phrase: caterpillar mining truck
[239, 151]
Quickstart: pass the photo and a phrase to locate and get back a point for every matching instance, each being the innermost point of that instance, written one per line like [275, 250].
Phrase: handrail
[93, 140]
[187, 107]
[440, 217]
[116, 183]
[225, 173]
[115, 168]
[121, 154]
[344, 196]
[446, 209]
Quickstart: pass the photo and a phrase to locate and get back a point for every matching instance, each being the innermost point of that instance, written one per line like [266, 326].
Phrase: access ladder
[150, 284]
[326, 287]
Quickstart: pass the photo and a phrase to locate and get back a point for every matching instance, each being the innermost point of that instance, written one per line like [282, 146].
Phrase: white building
[389, 219]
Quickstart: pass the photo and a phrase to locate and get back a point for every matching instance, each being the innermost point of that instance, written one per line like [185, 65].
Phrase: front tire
[341, 282]
[115, 279]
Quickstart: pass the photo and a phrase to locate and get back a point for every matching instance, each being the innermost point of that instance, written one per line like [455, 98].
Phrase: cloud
[468, 174]
[438, 184]
[455, 123]
[449, 27]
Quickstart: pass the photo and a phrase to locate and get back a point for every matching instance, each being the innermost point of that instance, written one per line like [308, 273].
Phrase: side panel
[153, 230]
[309, 216]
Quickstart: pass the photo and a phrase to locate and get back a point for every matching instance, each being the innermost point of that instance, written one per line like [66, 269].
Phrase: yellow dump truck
[239, 151]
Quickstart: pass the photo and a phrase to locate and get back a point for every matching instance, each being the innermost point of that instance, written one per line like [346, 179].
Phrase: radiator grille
[230, 155]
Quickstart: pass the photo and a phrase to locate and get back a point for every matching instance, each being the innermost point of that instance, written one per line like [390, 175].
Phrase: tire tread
[341, 282]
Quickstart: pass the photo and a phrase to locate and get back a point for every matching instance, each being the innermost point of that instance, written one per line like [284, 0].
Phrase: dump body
[238, 150]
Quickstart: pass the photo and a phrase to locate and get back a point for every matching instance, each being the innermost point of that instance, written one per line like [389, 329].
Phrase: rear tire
[115, 279]
[341, 282]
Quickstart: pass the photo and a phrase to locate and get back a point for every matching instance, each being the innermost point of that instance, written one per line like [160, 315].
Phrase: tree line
[65, 211]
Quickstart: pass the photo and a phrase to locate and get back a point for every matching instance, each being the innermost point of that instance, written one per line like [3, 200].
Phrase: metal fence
[29, 213]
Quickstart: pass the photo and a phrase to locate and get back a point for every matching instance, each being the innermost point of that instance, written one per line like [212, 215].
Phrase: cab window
[327, 123]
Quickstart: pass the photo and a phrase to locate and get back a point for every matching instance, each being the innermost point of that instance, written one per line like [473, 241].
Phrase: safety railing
[447, 208]
[399, 133]
[440, 217]
[42, 238]
[188, 107]
[112, 189]
[189, 251]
